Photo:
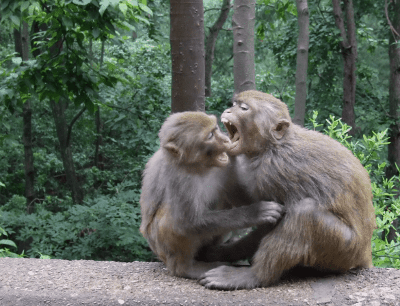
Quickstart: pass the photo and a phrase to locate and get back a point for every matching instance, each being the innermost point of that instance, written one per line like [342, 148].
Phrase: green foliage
[5, 252]
[62, 69]
[387, 206]
[104, 228]
[16, 204]
[106, 225]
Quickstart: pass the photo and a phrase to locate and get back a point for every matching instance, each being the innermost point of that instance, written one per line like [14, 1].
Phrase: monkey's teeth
[224, 120]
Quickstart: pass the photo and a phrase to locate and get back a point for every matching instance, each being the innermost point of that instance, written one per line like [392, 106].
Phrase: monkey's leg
[243, 248]
[308, 235]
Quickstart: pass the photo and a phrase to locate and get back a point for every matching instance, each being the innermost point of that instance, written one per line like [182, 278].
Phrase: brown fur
[183, 185]
[326, 192]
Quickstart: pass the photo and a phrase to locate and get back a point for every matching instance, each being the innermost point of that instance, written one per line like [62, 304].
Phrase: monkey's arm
[218, 222]
[244, 248]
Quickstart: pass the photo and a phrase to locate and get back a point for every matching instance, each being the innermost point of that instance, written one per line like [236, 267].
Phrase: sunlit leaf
[81, 2]
[145, 9]
[123, 7]
[103, 6]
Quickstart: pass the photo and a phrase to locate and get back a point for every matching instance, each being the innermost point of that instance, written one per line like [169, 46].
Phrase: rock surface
[28, 282]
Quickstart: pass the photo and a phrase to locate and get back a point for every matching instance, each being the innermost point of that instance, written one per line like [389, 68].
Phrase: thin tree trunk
[63, 134]
[187, 53]
[99, 124]
[27, 131]
[243, 21]
[21, 40]
[393, 15]
[302, 62]
[210, 43]
[348, 46]
[64, 138]
[18, 42]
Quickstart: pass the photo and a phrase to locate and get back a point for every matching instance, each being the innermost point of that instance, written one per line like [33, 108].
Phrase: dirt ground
[28, 282]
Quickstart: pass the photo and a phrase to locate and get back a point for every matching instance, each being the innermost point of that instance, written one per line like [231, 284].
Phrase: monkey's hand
[268, 212]
[246, 246]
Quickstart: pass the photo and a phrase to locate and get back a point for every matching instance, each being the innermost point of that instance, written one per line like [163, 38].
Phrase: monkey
[326, 192]
[183, 200]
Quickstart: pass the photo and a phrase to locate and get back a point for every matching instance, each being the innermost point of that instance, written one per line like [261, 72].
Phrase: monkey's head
[194, 138]
[255, 122]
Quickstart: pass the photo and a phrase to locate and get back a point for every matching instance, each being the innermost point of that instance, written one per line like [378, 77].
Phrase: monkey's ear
[173, 149]
[279, 130]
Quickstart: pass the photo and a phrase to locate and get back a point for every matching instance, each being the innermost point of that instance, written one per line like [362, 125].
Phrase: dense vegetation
[133, 92]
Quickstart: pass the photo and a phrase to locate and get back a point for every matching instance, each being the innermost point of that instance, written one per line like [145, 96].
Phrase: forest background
[86, 84]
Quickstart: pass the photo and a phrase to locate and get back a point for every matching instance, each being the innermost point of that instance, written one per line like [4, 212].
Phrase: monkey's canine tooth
[224, 120]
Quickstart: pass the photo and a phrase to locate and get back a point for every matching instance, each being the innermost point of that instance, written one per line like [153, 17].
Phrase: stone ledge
[28, 282]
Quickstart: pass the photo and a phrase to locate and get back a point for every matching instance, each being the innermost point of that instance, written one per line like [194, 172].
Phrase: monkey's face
[239, 121]
[194, 139]
[255, 122]
[212, 151]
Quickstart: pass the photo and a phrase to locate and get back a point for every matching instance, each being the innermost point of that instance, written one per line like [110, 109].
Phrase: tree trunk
[21, 40]
[63, 134]
[393, 15]
[243, 21]
[27, 131]
[64, 138]
[99, 125]
[210, 43]
[18, 42]
[302, 62]
[187, 53]
[348, 46]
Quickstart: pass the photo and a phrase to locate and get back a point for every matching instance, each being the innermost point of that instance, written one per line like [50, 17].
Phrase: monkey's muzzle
[233, 132]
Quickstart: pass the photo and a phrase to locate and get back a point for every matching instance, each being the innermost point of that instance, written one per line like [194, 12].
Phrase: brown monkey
[326, 192]
[183, 184]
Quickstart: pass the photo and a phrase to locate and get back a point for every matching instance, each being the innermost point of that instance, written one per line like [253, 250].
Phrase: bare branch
[393, 30]
[72, 123]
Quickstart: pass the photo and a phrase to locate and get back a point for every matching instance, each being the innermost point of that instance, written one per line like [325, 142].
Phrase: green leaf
[103, 6]
[142, 19]
[123, 8]
[7, 242]
[4, 4]
[35, 7]
[128, 25]
[81, 2]
[145, 9]
[16, 60]
[15, 20]
[96, 33]
[67, 21]
[24, 5]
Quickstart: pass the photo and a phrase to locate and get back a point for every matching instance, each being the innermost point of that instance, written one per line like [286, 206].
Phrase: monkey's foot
[229, 278]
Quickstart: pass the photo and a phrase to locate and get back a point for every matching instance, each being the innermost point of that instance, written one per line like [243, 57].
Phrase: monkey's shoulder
[168, 181]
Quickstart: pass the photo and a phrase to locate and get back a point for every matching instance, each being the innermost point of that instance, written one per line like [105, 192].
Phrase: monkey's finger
[273, 205]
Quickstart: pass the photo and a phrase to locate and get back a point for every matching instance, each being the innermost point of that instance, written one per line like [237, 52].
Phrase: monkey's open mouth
[234, 135]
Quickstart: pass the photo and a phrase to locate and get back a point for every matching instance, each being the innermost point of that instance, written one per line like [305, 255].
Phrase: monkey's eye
[211, 135]
[244, 106]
